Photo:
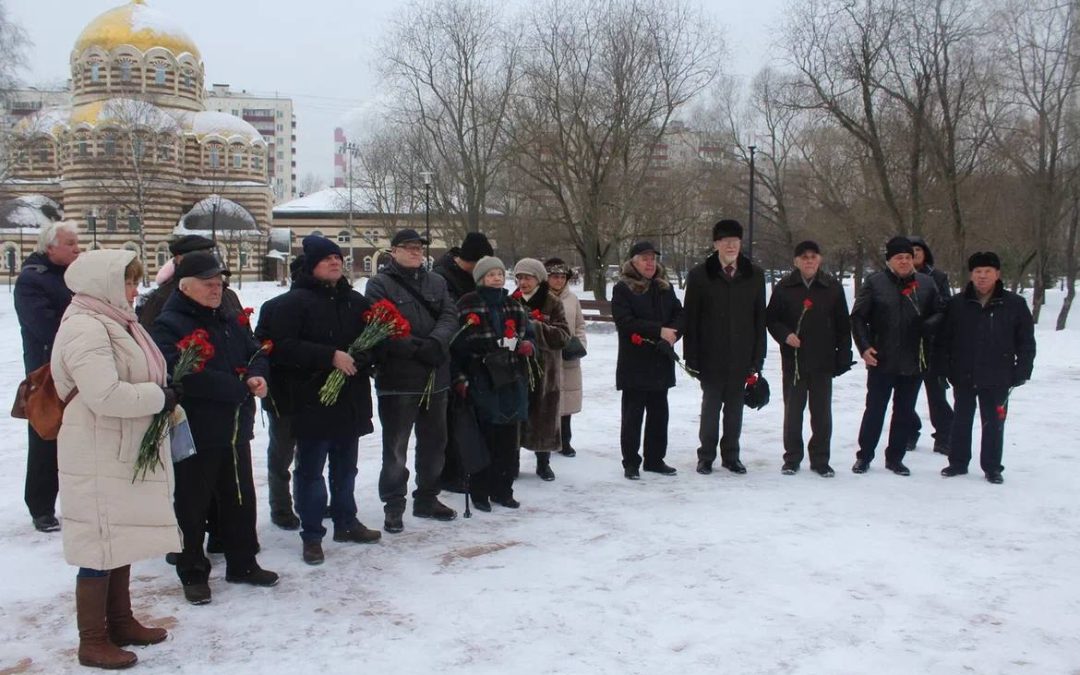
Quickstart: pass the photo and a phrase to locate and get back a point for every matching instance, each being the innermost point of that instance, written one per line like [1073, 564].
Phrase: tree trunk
[1070, 267]
[857, 265]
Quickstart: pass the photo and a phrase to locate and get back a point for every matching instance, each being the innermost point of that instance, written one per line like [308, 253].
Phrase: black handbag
[574, 350]
[500, 368]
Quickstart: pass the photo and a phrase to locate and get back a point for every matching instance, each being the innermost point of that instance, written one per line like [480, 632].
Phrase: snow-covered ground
[761, 573]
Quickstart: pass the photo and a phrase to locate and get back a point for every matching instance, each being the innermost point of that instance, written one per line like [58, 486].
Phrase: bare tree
[13, 46]
[311, 183]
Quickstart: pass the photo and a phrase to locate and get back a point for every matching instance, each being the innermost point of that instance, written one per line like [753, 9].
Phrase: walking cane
[468, 513]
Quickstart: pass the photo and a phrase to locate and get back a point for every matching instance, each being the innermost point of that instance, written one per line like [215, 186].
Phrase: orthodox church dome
[137, 25]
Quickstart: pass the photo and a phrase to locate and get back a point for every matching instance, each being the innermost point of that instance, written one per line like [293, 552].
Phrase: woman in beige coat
[110, 521]
[559, 277]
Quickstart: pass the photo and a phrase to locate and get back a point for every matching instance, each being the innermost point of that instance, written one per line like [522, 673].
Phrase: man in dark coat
[219, 402]
[312, 328]
[986, 347]
[40, 300]
[808, 318]
[647, 315]
[456, 267]
[725, 341]
[402, 377]
[941, 413]
[894, 317]
[150, 305]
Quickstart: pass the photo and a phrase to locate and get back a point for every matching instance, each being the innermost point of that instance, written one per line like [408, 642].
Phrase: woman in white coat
[559, 277]
[109, 520]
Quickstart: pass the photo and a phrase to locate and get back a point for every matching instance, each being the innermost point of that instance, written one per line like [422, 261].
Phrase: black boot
[543, 466]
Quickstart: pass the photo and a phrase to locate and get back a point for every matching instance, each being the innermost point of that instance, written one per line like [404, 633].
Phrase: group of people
[480, 374]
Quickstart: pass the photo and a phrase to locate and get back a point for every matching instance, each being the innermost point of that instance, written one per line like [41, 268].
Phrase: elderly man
[150, 305]
[986, 347]
[894, 316]
[725, 341]
[808, 316]
[40, 300]
[412, 381]
[219, 401]
[644, 304]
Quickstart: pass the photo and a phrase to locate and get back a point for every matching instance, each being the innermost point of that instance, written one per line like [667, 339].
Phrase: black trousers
[726, 397]
[565, 431]
[817, 388]
[280, 453]
[941, 413]
[497, 479]
[452, 471]
[42, 481]
[400, 415]
[993, 426]
[202, 479]
[880, 387]
[652, 407]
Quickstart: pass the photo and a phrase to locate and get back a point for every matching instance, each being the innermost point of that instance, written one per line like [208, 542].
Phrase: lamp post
[352, 149]
[426, 175]
[91, 221]
[750, 224]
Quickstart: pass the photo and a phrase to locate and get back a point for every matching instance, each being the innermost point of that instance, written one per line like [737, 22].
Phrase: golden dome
[137, 25]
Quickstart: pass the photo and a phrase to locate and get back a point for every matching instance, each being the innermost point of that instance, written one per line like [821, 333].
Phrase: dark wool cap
[804, 246]
[474, 247]
[727, 228]
[407, 235]
[984, 259]
[189, 243]
[898, 245]
[317, 247]
[642, 247]
[200, 264]
[558, 266]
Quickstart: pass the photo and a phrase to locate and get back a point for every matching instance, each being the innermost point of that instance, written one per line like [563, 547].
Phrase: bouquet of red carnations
[384, 321]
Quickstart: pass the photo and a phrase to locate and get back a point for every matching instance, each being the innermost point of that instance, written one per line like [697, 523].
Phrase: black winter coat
[991, 346]
[40, 300]
[644, 306]
[825, 332]
[400, 370]
[212, 397]
[724, 320]
[458, 281]
[898, 326]
[311, 322]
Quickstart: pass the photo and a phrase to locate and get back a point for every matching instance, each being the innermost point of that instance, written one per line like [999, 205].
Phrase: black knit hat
[984, 259]
[475, 246]
[317, 247]
[898, 245]
[808, 245]
[727, 228]
[189, 243]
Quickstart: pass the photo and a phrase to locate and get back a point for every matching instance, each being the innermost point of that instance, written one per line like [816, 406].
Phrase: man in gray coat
[412, 380]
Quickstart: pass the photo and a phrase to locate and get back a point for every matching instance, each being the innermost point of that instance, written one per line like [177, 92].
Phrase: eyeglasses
[412, 248]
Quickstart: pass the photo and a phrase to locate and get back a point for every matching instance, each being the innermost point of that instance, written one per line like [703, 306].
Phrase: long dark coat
[825, 331]
[643, 306]
[40, 300]
[898, 326]
[543, 432]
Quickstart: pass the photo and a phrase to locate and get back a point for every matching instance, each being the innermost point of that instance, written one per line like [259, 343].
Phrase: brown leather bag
[37, 402]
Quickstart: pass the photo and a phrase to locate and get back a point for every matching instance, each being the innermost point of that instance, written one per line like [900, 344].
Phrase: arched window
[11, 257]
[215, 156]
[367, 264]
[95, 72]
[131, 246]
[244, 256]
[125, 71]
[162, 254]
[110, 220]
[344, 237]
[159, 74]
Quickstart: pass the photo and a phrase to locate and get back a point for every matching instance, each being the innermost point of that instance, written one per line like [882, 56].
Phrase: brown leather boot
[95, 648]
[123, 628]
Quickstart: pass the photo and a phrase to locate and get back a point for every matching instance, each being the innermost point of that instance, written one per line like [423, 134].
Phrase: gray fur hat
[485, 265]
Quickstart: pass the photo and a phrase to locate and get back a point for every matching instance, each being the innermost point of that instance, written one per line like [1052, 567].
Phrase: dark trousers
[208, 477]
[497, 479]
[452, 471]
[399, 415]
[727, 397]
[817, 387]
[941, 413]
[42, 482]
[279, 458]
[993, 427]
[565, 431]
[880, 387]
[652, 406]
[309, 488]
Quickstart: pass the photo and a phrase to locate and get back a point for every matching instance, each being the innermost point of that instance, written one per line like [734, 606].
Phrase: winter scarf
[154, 360]
[639, 284]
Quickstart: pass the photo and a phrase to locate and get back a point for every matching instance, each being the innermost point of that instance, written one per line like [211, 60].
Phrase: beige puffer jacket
[108, 521]
[570, 400]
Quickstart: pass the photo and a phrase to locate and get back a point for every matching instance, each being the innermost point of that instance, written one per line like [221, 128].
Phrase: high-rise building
[340, 159]
[273, 117]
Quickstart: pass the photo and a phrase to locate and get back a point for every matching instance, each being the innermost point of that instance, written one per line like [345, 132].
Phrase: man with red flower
[808, 317]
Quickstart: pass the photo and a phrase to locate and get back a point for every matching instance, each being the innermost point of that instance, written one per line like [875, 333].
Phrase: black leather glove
[665, 348]
[430, 352]
[171, 399]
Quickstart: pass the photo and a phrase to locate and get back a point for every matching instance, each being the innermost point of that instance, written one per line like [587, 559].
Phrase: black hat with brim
[407, 235]
[201, 265]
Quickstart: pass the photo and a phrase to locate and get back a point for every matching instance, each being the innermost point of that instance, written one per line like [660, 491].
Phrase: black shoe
[46, 523]
[898, 468]
[434, 509]
[568, 452]
[950, 471]
[545, 472]
[860, 466]
[994, 478]
[507, 502]
[789, 469]
[197, 593]
[631, 473]
[482, 504]
[357, 534]
[214, 544]
[171, 558]
[703, 467]
[456, 486]
[313, 554]
[662, 469]
[392, 523]
[286, 521]
[913, 443]
[253, 576]
[941, 449]
[734, 466]
[825, 471]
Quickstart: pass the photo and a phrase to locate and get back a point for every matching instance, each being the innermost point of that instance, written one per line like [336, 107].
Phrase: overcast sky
[321, 53]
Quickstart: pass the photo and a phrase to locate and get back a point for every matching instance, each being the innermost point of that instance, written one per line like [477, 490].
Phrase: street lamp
[750, 224]
[352, 149]
[426, 175]
[91, 222]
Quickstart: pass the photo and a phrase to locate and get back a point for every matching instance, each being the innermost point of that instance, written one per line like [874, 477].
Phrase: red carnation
[472, 319]
[516, 294]
[268, 346]
[537, 315]
[241, 371]
[752, 380]
[1001, 413]
[807, 304]
[636, 340]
